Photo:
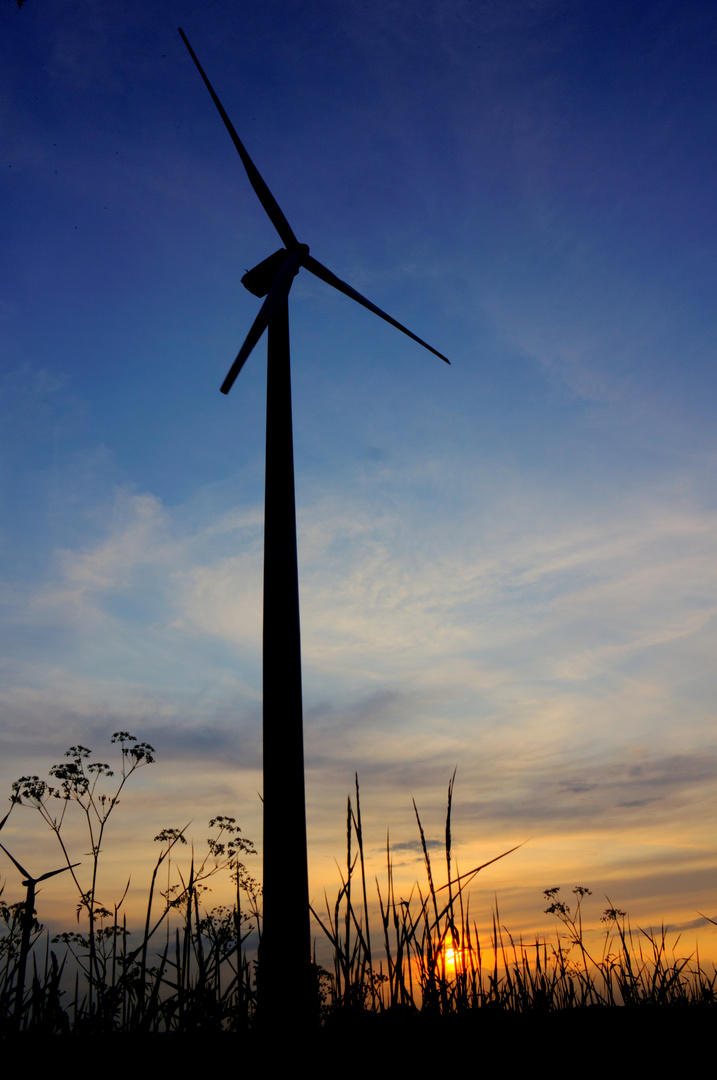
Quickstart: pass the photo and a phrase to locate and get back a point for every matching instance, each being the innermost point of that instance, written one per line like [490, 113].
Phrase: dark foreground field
[615, 1041]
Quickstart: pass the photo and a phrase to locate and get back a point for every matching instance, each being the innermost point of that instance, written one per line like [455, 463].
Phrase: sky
[507, 566]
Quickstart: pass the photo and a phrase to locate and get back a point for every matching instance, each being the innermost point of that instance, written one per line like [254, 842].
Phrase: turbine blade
[266, 198]
[52, 873]
[274, 299]
[320, 271]
[17, 864]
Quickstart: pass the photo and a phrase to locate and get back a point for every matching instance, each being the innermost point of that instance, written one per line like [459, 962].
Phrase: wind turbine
[285, 945]
[28, 911]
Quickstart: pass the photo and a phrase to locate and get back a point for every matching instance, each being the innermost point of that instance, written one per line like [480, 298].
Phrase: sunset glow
[457, 959]
[506, 566]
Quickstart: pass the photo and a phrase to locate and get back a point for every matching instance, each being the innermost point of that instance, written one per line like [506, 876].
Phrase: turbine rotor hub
[259, 280]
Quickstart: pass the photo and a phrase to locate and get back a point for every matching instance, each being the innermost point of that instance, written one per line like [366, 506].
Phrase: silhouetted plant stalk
[79, 780]
[190, 969]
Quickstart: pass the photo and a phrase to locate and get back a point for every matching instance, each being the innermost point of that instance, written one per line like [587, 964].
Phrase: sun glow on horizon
[456, 958]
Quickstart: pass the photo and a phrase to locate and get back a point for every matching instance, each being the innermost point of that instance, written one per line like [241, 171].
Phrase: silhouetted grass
[435, 960]
[189, 970]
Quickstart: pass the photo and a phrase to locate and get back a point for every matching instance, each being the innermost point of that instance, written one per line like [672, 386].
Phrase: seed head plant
[79, 780]
[131, 987]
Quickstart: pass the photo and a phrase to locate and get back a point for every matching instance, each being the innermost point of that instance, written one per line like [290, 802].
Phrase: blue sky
[507, 565]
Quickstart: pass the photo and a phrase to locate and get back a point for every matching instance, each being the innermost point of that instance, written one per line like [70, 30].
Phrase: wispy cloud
[516, 652]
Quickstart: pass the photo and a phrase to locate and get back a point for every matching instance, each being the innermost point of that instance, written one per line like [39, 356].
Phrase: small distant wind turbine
[28, 911]
[285, 945]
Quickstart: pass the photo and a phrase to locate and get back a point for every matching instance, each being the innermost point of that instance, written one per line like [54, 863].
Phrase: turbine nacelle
[259, 280]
